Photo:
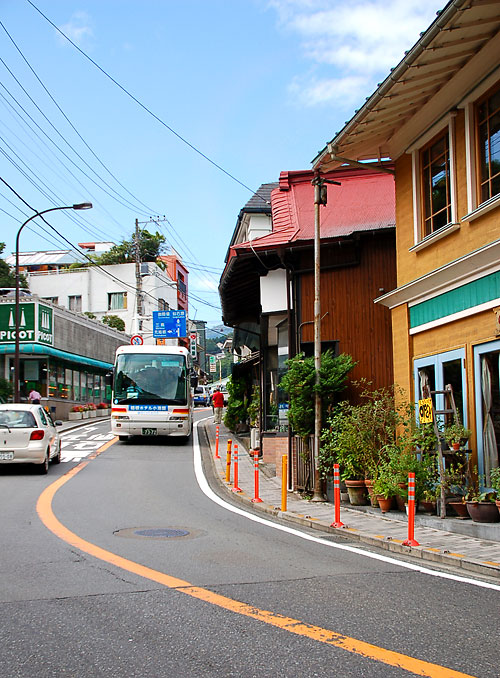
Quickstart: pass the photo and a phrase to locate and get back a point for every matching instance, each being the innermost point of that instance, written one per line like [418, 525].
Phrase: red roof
[365, 201]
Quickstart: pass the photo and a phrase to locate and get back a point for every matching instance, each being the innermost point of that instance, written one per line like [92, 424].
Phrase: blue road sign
[169, 324]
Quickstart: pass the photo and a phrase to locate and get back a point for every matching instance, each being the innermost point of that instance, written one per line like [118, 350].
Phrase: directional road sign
[169, 324]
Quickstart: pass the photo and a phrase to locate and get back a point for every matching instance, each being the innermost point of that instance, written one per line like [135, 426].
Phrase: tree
[7, 274]
[6, 390]
[114, 321]
[299, 383]
[151, 245]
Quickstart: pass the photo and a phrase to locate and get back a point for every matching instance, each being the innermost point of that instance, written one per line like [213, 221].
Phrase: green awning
[40, 349]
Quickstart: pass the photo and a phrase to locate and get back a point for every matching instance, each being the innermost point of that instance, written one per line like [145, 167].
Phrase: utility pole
[138, 277]
[320, 198]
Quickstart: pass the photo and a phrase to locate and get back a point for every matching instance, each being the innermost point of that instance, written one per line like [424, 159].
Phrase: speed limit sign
[136, 340]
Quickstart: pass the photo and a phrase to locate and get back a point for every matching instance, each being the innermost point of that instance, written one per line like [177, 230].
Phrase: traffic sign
[136, 340]
[169, 324]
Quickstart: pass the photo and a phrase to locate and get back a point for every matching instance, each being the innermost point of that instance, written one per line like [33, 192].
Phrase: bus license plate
[6, 456]
[149, 431]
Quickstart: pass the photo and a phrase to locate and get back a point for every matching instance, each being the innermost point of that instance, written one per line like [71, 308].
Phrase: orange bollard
[235, 479]
[256, 499]
[284, 481]
[217, 455]
[228, 461]
[411, 512]
[336, 496]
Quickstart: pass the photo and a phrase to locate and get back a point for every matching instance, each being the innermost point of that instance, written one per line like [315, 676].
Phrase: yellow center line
[317, 633]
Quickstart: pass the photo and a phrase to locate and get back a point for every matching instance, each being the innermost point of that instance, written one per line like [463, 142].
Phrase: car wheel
[43, 468]
[57, 458]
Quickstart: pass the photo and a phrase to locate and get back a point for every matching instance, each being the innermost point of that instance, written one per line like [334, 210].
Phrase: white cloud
[350, 43]
[78, 28]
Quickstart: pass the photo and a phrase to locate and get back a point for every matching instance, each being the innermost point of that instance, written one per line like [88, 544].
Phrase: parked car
[201, 396]
[28, 435]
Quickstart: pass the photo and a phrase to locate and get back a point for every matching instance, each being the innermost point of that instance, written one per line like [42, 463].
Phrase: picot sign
[36, 323]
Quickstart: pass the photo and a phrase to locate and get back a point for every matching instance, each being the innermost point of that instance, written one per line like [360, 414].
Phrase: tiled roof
[363, 202]
[261, 199]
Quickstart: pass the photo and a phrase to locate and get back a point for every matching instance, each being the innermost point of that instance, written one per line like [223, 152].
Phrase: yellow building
[437, 117]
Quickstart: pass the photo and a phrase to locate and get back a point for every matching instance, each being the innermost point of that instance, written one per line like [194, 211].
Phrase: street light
[78, 206]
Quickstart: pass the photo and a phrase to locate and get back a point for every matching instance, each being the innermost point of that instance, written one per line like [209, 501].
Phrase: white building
[108, 290]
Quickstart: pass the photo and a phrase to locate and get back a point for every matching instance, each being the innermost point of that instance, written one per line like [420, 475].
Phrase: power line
[149, 209]
[145, 108]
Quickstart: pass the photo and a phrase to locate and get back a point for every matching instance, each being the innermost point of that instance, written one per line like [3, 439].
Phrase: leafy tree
[7, 274]
[299, 383]
[236, 411]
[114, 321]
[151, 245]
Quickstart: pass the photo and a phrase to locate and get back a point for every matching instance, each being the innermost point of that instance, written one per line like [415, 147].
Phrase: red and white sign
[136, 340]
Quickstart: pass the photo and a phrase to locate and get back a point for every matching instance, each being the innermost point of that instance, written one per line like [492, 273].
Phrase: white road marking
[206, 489]
[78, 444]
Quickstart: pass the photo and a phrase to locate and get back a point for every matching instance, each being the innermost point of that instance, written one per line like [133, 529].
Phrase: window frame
[479, 178]
[426, 185]
[115, 294]
[79, 306]
[444, 127]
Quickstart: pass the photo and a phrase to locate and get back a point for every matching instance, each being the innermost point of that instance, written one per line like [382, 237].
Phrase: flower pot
[497, 502]
[371, 493]
[384, 503]
[460, 508]
[357, 492]
[85, 415]
[74, 416]
[483, 512]
[92, 414]
[427, 506]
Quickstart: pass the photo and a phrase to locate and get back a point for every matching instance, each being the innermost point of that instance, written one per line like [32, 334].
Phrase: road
[91, 585]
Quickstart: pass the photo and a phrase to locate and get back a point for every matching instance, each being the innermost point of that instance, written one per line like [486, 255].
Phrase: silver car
[28, 435]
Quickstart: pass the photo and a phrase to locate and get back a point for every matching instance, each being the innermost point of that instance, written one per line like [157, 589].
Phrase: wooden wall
[362, 328]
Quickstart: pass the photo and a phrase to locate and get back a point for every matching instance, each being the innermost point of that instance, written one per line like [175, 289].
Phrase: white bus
[152, 392]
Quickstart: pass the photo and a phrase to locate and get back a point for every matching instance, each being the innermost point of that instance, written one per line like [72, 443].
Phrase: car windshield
[17, 419]
[151, 379]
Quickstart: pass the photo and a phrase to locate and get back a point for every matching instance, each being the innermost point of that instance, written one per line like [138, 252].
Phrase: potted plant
[456, 435]
[495, 484]
[102, 410]
[385, 487]
[75, 413]
[428, 500]
[481, 504]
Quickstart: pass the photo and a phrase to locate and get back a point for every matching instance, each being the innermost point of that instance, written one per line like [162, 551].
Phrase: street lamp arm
[76, 206]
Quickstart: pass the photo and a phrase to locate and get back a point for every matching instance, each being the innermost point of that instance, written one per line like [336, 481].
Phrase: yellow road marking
[353, 645]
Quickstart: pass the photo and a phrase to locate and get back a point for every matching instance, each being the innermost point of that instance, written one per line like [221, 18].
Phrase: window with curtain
[75, 303]
[117, 301]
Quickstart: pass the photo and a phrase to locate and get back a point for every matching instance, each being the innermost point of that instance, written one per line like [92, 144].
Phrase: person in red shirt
[218, 404]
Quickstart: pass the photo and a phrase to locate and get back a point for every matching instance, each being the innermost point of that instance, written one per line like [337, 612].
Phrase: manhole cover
[162, 532]
[158, 533]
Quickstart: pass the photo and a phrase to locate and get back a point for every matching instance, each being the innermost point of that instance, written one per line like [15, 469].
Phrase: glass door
[435, 372]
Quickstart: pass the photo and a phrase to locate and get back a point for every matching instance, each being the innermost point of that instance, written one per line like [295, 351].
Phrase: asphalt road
[68, 609]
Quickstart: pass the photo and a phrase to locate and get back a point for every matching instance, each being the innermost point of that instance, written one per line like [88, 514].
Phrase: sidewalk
[478, 550]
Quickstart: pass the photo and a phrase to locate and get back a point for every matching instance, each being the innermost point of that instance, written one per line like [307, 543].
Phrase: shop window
[436, 185]
[488, 140]
[76, 385]
[117, 301]
[75, 303]
[68, 384]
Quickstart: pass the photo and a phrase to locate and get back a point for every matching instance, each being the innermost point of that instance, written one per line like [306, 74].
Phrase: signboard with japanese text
[425, 411]
[213, 363]
[169, 324]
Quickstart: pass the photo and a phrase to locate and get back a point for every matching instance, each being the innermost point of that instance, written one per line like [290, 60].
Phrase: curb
[442, 557]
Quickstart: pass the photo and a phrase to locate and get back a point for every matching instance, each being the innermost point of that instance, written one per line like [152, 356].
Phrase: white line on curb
[205, 488]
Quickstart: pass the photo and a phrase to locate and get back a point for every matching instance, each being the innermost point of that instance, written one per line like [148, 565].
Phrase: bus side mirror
[108, 379]
[194, 380]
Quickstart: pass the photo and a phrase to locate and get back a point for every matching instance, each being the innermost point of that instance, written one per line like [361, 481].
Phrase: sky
[178, 109]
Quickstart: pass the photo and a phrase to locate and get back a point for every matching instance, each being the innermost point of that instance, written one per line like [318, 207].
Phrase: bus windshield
[151, 379]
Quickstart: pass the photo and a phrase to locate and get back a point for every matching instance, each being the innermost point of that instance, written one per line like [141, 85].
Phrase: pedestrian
[34, 397]
[218, 404]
